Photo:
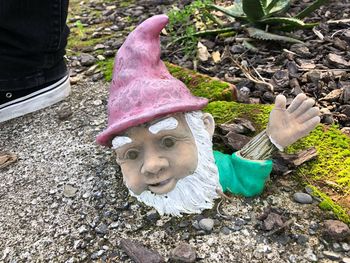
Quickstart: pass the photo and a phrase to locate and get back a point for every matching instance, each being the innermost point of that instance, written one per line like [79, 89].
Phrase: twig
[248, 74]
[338, 31]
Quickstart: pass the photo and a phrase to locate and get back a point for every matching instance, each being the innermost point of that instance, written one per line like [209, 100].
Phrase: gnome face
[154, 156]
[169, 164]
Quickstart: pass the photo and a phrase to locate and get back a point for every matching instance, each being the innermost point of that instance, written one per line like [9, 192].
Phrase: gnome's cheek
[133, 182]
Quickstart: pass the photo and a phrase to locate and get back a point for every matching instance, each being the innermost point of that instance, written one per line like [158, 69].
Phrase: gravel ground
[63, 201]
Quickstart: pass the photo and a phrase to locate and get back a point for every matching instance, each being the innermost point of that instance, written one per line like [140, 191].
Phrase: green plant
[258, 14]
[80, 29]
[185, 24]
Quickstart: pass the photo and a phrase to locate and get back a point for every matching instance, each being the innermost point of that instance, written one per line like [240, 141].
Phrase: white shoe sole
[35, 101]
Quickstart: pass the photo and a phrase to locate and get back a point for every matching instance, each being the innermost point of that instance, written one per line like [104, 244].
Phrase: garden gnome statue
[162, 139]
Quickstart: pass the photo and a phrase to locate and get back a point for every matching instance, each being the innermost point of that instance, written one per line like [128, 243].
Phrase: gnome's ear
[209, 123]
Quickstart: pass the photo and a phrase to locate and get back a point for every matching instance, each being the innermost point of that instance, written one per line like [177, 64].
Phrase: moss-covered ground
[328, 175]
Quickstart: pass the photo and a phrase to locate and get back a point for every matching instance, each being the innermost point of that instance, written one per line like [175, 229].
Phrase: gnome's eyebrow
[165, 124]
[120, 141]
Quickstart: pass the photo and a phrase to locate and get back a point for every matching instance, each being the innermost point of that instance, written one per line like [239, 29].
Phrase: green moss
[333, 158]
[224, 111]
[328, 205]
[201, 85]
[126, 3]
[106, 67]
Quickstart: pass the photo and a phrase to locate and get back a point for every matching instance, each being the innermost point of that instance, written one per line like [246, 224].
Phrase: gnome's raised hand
[286, 126]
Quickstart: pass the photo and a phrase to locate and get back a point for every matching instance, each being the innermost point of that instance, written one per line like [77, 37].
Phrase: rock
[243, 95]
[206, 224]
[184, 224]
[337, 61]
[313, 76]
[209, 44]
[83, 229]
[109, 53]
[225, 230]
[97, 102]
[238, 125]
[237, 49]
[346, 130]
[345, 247]
[184, 253]
[340, 44]
[236, 141]
[301, 50]
[101, 58]
[139, 253]
[310, 255]
[334, 95]
[216, 56]
[87, 59]
[97, 254]
[336, 230]
[345, 260]
[99, 46]
[331, 255]
[202, 52]
[302, 198]
[152, 215]
[101, 229]
[90, 71]
[272, 221]
[293, 69]
[268, 97]
[69, 191]
[280, 80]
[97, 77]
[345, 109]
[345, 97]
[64, 111]
[75, 80]
[302, 239]
[336, 247]
[294, 84]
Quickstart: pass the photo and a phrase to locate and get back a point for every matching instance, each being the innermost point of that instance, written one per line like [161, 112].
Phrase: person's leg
[33, 37]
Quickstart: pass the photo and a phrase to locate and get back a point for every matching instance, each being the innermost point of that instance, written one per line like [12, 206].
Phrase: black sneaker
[20, 102]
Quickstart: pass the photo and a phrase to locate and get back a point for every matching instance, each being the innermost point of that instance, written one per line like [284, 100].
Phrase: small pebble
[206, 224]
[336, 247]
[184, 253]
[302, 198]
[97, 254]
[225, 230]
[101, 229]
[345, 247]
[69, 191]
[331, 255]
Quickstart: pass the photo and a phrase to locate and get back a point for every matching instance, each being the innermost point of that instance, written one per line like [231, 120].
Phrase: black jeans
[33, 37]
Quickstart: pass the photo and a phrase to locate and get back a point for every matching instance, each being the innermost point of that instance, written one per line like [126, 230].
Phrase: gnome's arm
[285, 127]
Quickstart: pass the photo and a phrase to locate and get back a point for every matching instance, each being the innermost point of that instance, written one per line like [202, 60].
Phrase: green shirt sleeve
[242, 176]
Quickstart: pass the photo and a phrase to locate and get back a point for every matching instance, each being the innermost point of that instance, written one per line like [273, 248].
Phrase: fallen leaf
[6, 159]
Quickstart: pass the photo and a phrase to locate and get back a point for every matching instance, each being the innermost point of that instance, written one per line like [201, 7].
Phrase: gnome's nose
[153, 165]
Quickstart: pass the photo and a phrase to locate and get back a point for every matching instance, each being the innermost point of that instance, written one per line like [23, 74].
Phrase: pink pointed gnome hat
[142, 89]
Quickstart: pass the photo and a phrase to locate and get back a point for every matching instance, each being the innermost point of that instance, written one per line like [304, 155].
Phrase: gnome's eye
[132, 154]
[168, 142]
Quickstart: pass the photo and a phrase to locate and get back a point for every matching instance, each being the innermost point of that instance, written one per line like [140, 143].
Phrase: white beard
[195, 192]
